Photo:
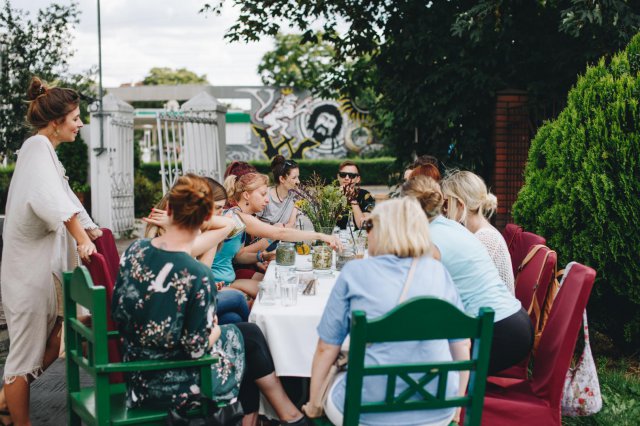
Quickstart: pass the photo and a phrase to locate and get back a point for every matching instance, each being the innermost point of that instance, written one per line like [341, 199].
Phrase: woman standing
[468, 202]
[44, 230]
[281, 208]
[476, 277]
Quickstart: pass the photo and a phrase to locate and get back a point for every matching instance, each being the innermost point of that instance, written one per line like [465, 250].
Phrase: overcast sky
[140, 34]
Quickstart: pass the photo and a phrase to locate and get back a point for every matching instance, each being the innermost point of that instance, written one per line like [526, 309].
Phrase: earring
[56, 133]
[246, 203]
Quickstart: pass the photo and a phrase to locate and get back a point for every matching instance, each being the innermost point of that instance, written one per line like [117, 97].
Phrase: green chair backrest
[86, 346]
[422, 318]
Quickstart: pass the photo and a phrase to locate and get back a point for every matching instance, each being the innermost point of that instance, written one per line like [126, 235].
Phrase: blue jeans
[232, 307]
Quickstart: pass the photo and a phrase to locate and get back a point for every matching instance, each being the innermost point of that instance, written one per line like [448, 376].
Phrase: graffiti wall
[297, 125]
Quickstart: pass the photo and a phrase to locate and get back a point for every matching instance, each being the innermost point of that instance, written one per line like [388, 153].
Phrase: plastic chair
[106, 246]
[536, 401]
[519, 243]
[100, 275]
[423, 318]
[104, 403]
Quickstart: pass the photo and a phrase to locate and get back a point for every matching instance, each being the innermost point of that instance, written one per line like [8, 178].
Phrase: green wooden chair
[86, 348]
[423, 318]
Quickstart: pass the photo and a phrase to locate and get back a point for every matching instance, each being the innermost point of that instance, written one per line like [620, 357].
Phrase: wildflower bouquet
[322, 204]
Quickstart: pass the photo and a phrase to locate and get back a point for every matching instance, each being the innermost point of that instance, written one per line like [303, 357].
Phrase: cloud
[138, 35]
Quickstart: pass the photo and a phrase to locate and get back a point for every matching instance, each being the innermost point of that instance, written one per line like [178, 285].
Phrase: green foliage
[5, 179]
[295, 62]
[163, 75]
[38, 46]
[433, 68]
[146, 193]
[322, 203]
[75, 159]
[582, 187]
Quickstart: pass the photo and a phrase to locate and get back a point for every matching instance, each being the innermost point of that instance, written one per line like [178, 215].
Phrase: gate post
[111, 162]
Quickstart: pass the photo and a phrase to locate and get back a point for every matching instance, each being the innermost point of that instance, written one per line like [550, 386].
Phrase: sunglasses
[290, 163]
[367, 225]
[344, 175]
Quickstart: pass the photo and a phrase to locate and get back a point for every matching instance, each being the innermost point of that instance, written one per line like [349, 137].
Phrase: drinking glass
[267, 292]
[289, 296]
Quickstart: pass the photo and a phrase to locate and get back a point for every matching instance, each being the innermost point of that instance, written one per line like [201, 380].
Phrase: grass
[620, 387]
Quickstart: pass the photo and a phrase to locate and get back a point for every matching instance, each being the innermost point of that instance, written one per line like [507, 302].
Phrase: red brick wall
[511, 140]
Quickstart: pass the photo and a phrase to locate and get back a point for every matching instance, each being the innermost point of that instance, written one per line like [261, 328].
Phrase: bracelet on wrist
[259, 257]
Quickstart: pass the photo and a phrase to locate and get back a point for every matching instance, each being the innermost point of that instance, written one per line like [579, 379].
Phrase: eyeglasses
[345, 175]
[367, 225]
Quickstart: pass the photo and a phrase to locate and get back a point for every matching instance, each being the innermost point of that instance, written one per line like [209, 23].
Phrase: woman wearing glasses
[398, 241]
[361, 202]
[281, 208]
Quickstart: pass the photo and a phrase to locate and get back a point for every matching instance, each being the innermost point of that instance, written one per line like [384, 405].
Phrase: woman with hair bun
[469, 203]
[45, 228]
[165, 302]
[281, 208]
[475, 276]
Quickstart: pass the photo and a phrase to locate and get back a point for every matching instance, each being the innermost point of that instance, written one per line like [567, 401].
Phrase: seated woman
[164, 302]
[476, 277]
[281, 208]
[232, 304]
[398, 236]
[468, 202]
[249, 193]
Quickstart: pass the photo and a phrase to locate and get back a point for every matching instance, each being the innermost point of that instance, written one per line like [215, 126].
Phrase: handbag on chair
[581, 394]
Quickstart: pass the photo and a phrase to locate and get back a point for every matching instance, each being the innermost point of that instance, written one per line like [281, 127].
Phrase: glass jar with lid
[286, 254]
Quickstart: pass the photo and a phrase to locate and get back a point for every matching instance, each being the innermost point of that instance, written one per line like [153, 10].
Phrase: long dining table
[290, 331]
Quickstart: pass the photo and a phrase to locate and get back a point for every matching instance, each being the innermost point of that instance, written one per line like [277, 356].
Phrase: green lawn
[620, 386]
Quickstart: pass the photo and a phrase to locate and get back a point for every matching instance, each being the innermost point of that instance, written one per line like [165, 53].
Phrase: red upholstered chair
[519, 243]
[106, 246]
[536, 401]
[534, 278]
[101, 275]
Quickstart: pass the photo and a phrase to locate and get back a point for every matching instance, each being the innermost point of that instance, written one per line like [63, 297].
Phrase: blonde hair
[401, 228]
[235, 185]
[427, 192]
[472, 192]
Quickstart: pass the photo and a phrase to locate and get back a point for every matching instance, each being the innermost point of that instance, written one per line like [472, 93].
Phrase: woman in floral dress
[164, 302]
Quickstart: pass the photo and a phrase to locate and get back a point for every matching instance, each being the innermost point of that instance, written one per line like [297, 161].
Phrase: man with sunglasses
[360, 201]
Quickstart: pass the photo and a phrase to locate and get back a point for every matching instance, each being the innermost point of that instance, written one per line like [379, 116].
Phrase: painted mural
[297, 125]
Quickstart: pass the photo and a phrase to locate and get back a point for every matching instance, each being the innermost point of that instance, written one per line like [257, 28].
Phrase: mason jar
[286, 254]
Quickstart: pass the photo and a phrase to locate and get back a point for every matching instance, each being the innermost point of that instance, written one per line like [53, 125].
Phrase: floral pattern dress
[164, 303]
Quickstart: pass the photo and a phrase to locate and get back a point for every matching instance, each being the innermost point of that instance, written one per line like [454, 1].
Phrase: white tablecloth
[291, 330]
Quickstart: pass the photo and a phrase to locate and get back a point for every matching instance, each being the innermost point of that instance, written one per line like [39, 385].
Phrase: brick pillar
[511, 139]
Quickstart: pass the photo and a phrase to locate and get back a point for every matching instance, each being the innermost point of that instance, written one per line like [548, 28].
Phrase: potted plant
[323, 205]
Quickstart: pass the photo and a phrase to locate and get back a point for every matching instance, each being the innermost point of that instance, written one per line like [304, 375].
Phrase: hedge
[375, 171]
[582, 189]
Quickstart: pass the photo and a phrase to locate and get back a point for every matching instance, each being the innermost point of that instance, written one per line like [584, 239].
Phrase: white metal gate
[192, 140]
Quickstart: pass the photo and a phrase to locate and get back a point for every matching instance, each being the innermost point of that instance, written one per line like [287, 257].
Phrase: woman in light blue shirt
[398, 233]
[476, 277]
